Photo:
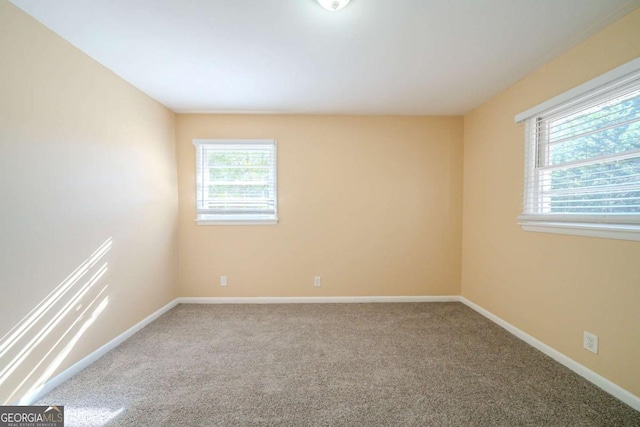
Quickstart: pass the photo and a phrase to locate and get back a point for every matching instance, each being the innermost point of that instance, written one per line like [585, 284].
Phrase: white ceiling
[419, 57]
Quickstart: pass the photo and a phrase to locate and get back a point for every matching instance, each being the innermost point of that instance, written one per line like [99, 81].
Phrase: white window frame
[624, 227]
[204, 218]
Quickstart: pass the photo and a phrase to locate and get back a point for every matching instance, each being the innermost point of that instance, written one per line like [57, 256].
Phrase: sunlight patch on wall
[39, 343]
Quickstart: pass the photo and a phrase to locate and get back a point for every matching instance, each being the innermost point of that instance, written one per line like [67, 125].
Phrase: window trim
[623, 227]
[591, 86]
[609, 230]
[238, 221]
[241, 219]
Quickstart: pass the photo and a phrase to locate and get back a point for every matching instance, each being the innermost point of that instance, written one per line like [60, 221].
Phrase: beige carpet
[427, 364]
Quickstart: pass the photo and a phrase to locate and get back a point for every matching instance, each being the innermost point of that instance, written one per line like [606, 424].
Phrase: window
[236, 182]
[582, 159]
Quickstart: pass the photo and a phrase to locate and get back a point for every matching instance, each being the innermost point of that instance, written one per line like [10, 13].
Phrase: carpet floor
[426, 364]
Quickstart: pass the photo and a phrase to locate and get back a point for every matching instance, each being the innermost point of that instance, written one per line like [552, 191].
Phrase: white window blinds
[582, 157]
[236, 181]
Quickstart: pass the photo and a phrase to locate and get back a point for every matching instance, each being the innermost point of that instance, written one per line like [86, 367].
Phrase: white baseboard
[600, 381]
[313, 300]
[91, 358]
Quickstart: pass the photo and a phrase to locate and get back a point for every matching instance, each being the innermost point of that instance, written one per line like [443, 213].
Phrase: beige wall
[553, 287]
[370, 204]
[85, 159]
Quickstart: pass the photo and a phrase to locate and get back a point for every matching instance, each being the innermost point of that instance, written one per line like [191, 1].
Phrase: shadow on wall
[32, 351]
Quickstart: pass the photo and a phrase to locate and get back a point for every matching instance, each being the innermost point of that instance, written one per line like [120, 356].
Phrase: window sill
[204, 220]
[605, 231]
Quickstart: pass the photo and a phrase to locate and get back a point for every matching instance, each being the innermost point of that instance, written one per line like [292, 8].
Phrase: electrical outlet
[590, 342]
[316, 281]
[223, 280]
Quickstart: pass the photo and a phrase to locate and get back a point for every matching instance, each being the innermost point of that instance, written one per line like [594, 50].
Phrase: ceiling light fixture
[333, 5]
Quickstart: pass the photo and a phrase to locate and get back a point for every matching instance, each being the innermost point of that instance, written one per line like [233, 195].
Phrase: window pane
[236, 179]
[583, 156]
[222, 173]
[611, 187]
[603, 130]
[240, 158]
[619, 203]
[238, 191]
[590, 118]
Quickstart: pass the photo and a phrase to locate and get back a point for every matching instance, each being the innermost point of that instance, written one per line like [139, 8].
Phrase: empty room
[319, 213]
